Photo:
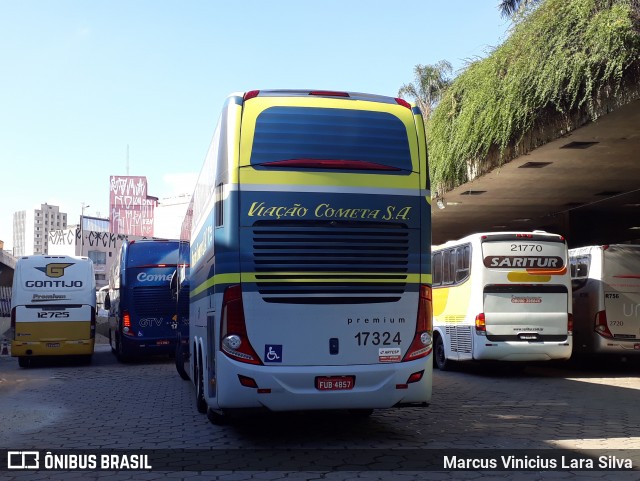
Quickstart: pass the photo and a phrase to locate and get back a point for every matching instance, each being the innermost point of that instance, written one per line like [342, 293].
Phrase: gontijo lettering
[50, 284]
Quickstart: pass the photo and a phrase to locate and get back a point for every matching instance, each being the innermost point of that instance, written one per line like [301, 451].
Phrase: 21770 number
[375, 338]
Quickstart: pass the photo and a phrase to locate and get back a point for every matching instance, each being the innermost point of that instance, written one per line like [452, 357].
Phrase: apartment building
[31, 229]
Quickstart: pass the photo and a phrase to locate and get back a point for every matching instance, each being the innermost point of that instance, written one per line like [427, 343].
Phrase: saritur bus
[310, 268]
[502, 296]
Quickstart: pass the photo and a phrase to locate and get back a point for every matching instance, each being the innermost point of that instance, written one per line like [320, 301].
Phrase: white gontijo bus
[501, 296]
[606, 299]
[53, 307]
[309, 273]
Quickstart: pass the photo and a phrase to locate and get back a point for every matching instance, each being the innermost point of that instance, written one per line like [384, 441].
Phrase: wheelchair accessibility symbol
[273, 352]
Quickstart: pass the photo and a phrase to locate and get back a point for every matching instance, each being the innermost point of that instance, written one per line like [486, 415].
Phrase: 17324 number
[375, 338]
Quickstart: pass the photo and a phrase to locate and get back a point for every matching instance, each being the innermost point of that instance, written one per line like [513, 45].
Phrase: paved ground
[111, 406]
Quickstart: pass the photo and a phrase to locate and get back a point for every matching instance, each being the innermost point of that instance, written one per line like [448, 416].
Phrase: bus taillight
[602, 327]
[126, 324]
[570, 323]
[481, 325]
[422, 340]
[403, 102]
[234, 340]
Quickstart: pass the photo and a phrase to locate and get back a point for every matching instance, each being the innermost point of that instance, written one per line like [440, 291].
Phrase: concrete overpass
[584, 185]
[7, 266]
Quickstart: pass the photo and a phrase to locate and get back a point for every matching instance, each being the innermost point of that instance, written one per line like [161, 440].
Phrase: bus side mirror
[107, 302]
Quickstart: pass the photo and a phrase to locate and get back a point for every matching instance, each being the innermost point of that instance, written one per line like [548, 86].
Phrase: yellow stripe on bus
[526, 277]
[279, 276]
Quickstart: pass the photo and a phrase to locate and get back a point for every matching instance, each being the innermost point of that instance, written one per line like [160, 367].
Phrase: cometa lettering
[144, 277]
[51, 284]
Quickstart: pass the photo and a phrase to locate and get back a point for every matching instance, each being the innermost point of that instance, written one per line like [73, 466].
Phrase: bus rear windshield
[152, 254]
[323, 138]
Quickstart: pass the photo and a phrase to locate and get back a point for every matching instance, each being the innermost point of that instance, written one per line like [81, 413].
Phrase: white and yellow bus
[606, 299]
[53, 307]
[502, 296]
[310, 256]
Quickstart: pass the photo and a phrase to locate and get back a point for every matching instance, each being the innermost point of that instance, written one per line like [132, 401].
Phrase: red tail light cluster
[234, 341]
[126, 324]
[403, 102]
[422, 340]
[481, 325]
[602, 327]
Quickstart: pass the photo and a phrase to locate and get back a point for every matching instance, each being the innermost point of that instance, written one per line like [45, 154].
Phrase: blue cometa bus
[143, 312]
[310, 282]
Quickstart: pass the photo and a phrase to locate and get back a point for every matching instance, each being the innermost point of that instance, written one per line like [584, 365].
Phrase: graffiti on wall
[132, 210]
[70, 237]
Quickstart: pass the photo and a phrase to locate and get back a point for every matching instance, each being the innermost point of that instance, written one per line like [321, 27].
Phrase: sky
[90, 89]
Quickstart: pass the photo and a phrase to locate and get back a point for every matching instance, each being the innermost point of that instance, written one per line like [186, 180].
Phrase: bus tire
[24, 361]
[440, 355]
[360, 413]
[217, 418]
[180, 357]
[201, 403]
[120, 354]
[113, 349]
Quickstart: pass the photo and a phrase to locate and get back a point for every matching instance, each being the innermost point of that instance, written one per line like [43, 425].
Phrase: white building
[31, 229]
[169, 214]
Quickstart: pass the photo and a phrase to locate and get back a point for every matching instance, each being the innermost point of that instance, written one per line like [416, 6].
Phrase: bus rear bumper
[523, 351]
[606, 345]
[148, 346]
[52, 348]
[292, 388]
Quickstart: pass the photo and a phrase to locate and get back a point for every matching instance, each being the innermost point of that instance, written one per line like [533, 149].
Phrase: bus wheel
[217, 417]
[360, 413]
[120, 355]
[24, 361]
[180, 359]
[440, 355]
[201, 403]
[113, 349]
[86, 359]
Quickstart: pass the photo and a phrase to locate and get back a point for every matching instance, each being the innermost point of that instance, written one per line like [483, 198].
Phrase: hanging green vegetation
[564, 56]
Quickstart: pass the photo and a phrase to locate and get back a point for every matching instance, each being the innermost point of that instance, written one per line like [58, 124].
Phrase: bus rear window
[317, 138]
[143, 254]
